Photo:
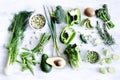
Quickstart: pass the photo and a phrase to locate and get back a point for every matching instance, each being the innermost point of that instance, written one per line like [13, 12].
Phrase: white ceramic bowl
[87, 57]
[33, 26]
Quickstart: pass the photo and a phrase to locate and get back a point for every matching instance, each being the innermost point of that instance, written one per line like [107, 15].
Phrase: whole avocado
[44, 66]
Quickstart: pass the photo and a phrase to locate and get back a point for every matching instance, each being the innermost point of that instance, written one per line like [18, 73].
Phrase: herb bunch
[17, 28]
[44, 39]
[105, 36]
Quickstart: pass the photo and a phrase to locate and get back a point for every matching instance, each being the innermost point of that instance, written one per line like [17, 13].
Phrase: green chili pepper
[73, 16]
[83, 39]
[67, 35]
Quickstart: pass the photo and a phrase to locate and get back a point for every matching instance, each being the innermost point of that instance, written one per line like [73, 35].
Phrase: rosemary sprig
[105, 36]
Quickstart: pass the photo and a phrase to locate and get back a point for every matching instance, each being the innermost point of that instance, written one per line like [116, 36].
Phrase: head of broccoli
[58, 15]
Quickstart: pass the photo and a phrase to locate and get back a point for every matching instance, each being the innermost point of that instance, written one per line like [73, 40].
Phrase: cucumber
[44, 66]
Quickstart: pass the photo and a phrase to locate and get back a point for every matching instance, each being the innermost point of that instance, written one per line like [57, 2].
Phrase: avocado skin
[44, 66]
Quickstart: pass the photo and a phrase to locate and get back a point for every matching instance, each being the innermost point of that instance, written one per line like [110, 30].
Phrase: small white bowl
[86, 58]
[35, 23]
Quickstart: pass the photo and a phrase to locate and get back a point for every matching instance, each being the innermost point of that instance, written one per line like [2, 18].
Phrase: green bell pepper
[73, 16]
[67, 35]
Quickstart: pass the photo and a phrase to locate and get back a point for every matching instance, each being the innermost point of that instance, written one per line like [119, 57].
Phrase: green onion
[52, 27]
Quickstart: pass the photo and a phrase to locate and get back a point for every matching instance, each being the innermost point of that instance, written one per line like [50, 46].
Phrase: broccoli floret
[58, 15]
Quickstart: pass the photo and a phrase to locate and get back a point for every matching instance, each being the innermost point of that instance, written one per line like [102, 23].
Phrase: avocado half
[57, 62]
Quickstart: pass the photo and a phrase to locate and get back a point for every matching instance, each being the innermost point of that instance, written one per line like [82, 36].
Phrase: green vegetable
[67, 35]
[105, 36]
[17, 28]
[58, 15]
[106, 52]
[92, 57]
[28, 57]
[73, 16]
[102, 62]
[97, 42]
[44, 66]
[73, 55]
[105, 16]
[27, 61]
[108, 60]
[115, 57]
[51, 24]
[111, 70]
[103, 70]
[44, 39]
[87, 23]
[83, 39]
